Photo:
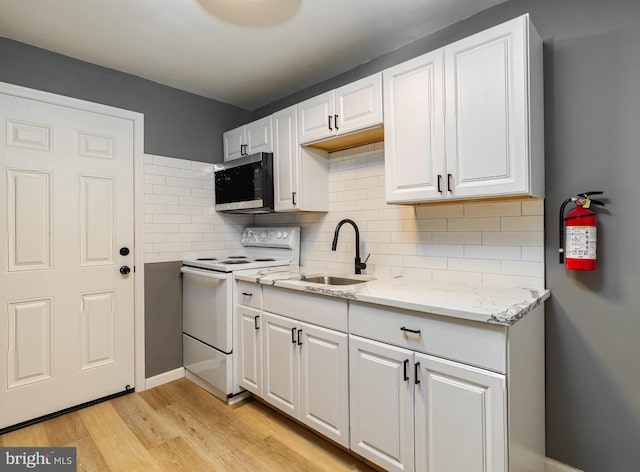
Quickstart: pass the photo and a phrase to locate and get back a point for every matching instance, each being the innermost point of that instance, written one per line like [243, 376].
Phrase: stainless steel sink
[332, 280]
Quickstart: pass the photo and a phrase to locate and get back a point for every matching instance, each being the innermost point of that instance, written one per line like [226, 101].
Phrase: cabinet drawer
[479, 344]
[315, 309]
[249, 294]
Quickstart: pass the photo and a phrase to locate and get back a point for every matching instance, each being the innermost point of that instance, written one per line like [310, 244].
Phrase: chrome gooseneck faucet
[359, 265]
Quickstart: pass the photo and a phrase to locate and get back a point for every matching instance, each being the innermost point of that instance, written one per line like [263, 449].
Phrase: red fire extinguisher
[578, 233]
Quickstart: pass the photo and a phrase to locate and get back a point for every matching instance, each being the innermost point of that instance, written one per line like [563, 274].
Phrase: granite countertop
[470, 301]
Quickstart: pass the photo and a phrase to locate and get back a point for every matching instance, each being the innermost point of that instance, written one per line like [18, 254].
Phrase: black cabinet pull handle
[335, 122]
[293, 335]
[255, 322]
[449, 183]
[293, 198]
[414, 331]
[299, 342]
[405, 368]
[417, 372]
[439, 183]
[330, 128]
[247, 294]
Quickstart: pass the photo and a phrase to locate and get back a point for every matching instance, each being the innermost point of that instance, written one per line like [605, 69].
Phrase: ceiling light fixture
[252, 13]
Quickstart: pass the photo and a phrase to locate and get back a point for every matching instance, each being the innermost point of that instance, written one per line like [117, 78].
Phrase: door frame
[137, 120]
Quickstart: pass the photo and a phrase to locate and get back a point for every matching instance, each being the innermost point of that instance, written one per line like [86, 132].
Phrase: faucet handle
[362, 265]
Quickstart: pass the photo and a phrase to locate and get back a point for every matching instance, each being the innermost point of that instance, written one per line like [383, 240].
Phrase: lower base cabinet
[407, 391]
[305, 373]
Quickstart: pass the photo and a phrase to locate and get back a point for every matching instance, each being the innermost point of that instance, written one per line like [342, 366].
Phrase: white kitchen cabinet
[249, 323]
[281, 359]
[249, 336]
[300, 174]
[248, 139]
[414, 132]
[381, 404]
[449, 394]
[353, 107]
[475, 127]
[305, 374]
[453, 400]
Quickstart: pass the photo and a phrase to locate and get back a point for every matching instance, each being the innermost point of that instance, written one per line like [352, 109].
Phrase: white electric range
[208, 298]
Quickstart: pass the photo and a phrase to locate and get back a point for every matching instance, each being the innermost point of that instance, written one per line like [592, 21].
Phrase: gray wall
[592, 128]
[176, 123]
[163, 317]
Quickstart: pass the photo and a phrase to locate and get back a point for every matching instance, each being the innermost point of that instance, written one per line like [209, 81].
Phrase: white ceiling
[252, 53]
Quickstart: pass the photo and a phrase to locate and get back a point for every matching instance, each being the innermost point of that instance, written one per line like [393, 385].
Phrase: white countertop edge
[475, 302]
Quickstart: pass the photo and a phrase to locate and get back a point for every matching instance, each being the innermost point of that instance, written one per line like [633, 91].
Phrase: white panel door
[249, 323]
[66, 209]
[281, 359]
[460, 417]
[258, 135]
[381, 403]
[316, 118]
[324, 377]
[286, 158]
[359, 104]
[486, 125]
[413, 132]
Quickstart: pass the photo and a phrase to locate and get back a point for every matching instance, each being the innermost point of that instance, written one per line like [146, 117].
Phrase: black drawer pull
[414, 331]
[416, 374]
[293, 335]
[246, 294]
[404, 367]
[299, 342]
[255, 322]
[440, 183]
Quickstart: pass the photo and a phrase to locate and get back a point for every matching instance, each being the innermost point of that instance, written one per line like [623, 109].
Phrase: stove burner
[206, 259]
[235, 262]
[264, 260]
[237, 257]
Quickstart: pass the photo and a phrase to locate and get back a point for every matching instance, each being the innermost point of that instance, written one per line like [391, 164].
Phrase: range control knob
[285, 235]
[264, 235]
[279, 234]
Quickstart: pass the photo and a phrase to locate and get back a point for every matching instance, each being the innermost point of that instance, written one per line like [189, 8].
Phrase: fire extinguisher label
[581, 242]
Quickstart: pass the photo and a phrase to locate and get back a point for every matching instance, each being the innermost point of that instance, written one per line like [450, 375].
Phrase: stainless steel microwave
[245, 185]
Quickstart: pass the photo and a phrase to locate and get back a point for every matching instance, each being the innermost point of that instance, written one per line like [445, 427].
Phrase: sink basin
[332, 280]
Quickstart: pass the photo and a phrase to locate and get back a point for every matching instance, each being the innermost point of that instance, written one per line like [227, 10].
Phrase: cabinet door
[280, 356]
[324, 398]
[250, 349]
[258, 135]
[460, 423]
[413, 129]
[316, 118]
[233, 142]
[286, 156]
[359, 104]
[487, 122]
[381, 403]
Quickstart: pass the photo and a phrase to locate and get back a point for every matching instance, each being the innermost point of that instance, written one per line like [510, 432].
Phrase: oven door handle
[208, 274]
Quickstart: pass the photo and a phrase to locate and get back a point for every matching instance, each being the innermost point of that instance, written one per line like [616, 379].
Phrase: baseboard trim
[164, 378]
[552, 465]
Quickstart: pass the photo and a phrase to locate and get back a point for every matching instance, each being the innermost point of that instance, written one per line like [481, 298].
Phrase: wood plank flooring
[180, 427]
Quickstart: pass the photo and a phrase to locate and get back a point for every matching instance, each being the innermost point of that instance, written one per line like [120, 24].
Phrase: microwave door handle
[204, 273]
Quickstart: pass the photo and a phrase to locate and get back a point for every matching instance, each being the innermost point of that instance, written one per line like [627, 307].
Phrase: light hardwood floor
[180, 427]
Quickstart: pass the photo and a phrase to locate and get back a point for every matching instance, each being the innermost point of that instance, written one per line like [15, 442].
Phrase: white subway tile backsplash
[497, 242]
[497, 208]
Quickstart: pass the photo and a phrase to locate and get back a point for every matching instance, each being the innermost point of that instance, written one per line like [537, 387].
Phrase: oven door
[207, 308]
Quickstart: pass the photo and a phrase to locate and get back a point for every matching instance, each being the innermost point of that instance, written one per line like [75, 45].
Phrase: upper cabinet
[248, 139]
[353, 107]
[300, 175]
[465, 121]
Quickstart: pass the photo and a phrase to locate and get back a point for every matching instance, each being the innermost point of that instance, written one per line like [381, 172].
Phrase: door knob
[124, 251]
[124, 270]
